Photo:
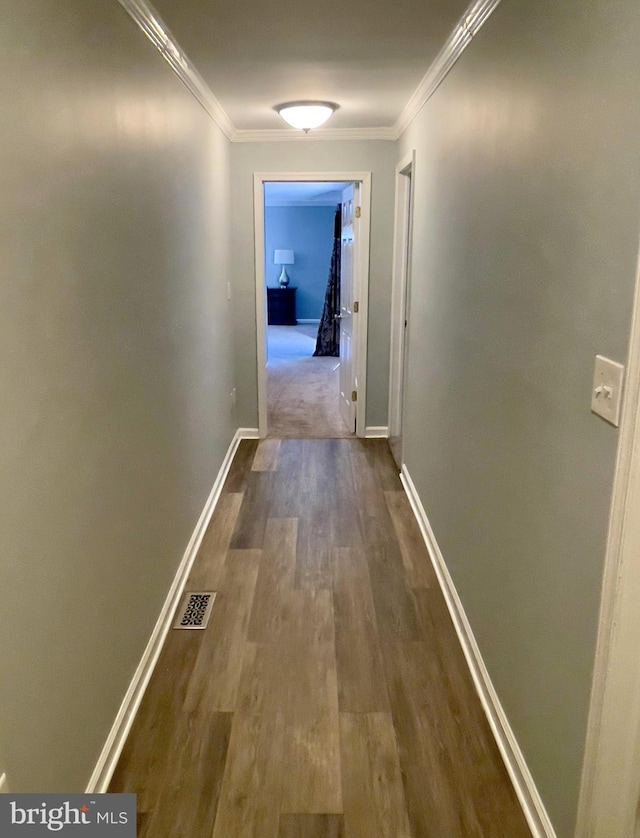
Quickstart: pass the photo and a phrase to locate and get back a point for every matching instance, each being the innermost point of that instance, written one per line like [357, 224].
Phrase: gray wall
[308, 231]
[115, 367]
[377, 157]
[527, 197]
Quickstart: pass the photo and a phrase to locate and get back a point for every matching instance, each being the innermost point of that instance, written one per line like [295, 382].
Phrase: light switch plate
[4, 785]
[606, 395]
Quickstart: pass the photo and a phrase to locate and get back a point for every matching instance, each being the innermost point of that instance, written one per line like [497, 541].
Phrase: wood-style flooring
[328, 696]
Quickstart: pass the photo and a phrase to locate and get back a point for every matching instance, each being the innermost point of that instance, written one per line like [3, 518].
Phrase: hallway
[328, 696]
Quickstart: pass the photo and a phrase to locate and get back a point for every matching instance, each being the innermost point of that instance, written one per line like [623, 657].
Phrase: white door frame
[610, 787]
[360, 283]
[403, 212]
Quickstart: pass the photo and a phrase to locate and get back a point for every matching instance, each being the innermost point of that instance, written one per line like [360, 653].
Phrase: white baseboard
[308, 321]
[514, 760]
[376, 432]
[112, 749]
[248, 433]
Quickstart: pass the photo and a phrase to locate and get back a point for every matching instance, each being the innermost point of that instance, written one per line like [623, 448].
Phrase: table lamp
[282, 258]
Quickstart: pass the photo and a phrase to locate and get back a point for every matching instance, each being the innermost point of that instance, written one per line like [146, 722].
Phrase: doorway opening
[311, 338]
[302, 234]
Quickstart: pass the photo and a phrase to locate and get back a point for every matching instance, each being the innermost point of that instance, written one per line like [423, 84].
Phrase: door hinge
[356, 307]
[358, 212]
[354, 395]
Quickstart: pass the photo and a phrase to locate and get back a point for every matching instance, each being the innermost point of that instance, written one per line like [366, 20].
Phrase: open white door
[348, 344]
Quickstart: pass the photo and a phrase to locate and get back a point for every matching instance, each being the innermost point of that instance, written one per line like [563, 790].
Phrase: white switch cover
[606, 395]
[4, 786]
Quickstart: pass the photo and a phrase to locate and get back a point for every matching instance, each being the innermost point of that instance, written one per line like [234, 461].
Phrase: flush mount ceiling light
[306, 115]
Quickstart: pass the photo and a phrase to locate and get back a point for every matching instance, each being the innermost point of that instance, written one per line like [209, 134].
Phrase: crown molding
[150, 22]
[466, 29]
[279, 135]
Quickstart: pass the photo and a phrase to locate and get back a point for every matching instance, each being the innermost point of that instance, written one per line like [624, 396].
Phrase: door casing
[610, 788]
[403, 214]
[360, 283]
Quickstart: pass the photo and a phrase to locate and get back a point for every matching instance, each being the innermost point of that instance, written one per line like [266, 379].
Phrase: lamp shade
[283, 257]
[306, 115]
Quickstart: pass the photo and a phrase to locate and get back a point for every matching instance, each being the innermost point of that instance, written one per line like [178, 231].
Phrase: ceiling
[369, 56]
[297, 193]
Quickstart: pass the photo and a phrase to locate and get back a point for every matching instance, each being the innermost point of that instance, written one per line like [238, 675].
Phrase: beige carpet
[302, 391]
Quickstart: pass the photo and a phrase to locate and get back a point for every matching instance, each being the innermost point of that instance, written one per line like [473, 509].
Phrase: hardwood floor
[328, 696]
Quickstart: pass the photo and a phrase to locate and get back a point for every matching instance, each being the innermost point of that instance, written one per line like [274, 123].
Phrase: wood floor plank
[268, 667]
[194, 768]
[272, 600]
[344, 509]
[396, 615]
[311, 826]
[141, 766]
[445, 765]
[474, 756]
[373, 514]
[433, 804]
[352, 586]
[264, 681]
[208, 565]
[415, 556]
[254, 511]
[213, 685]
[289, 494]
[142, 825]
[312, 618]
[395, 609]
[317, 476]
[266, 456]
[361, 677]
[241, 466]
[374, 801]
[311, 748]
[313, 553]
[311, 735]
[252, 784]
[318, 514]
[387, 472]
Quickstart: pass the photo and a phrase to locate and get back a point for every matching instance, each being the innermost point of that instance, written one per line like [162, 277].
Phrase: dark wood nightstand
[281, 306]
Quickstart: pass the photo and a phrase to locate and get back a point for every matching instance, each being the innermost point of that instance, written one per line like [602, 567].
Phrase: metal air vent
[195, 610]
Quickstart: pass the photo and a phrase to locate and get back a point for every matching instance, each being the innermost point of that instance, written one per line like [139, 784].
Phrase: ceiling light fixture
[306, 115]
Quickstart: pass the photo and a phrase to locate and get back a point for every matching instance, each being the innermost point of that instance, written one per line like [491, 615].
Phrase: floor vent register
[195, 610]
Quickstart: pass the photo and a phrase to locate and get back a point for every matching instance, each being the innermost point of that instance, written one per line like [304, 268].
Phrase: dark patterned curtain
[328, 341]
